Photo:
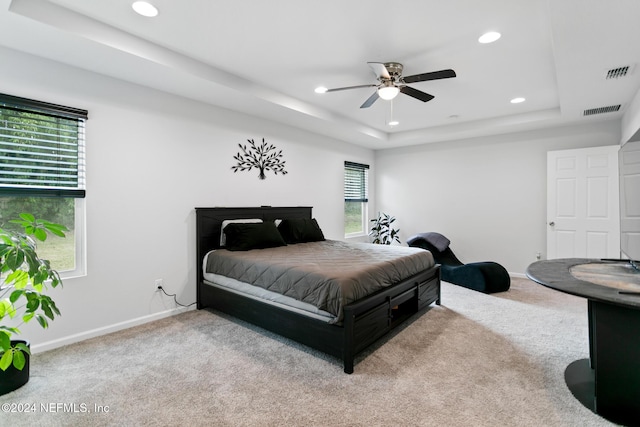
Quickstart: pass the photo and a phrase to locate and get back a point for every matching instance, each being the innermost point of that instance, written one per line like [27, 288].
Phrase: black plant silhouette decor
[263, 157]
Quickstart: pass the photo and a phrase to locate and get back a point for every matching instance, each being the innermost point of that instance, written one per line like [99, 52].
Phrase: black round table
[608, 382]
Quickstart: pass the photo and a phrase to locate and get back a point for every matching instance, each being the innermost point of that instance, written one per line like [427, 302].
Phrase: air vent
[619, 72]
[615, 73]
[602, 110]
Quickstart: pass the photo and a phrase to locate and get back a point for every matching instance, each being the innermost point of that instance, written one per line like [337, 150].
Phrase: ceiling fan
[391, 82]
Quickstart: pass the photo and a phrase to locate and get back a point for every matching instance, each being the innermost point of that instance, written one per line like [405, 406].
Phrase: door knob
[552, 223]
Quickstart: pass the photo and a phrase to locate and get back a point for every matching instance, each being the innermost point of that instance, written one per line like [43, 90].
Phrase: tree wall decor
[263, 157]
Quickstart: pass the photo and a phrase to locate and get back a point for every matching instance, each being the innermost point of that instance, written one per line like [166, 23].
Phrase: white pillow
[223, 238]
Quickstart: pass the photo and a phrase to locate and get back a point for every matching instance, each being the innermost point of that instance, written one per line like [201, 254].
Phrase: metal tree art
[262, 157]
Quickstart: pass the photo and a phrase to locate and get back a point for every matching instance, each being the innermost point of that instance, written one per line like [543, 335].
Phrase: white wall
[487, 195]
[152, 158]
[631, 120]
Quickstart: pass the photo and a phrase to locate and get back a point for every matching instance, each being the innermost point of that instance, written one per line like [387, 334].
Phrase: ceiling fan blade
[379, 69]
[349, 87]
[369, 102]
[434, 75]
[415, 93]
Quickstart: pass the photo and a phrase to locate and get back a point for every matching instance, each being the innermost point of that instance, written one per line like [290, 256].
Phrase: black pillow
[243, 237]
[300, 230]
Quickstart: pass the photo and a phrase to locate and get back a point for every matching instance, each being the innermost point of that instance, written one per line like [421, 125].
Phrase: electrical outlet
[538, 256]
[158, 284]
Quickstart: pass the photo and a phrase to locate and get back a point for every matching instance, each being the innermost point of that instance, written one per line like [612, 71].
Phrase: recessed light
[517, 100]
[321, 89]
[393, 123]
[489, 37]
[145, 9]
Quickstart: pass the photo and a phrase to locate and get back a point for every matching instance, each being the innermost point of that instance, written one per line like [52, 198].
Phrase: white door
[582, 203]
[630, 200]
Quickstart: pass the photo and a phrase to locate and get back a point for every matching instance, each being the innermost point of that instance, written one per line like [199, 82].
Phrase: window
[42, 172]
[356, 196]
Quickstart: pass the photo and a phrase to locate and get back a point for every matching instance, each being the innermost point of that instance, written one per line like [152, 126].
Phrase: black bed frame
[365, 321]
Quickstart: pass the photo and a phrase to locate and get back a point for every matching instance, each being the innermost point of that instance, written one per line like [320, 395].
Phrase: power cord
[174, 297]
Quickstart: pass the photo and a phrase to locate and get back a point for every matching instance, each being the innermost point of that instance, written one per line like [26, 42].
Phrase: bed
[343, 328]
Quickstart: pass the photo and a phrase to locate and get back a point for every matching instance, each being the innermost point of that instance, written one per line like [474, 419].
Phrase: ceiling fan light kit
[388, 91]
[391, 83]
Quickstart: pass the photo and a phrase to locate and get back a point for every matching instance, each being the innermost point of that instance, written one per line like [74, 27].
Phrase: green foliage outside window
[59, 210]
[59, 251]
[353, 217]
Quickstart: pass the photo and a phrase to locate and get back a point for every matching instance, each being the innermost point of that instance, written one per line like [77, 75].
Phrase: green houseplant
[382, 231]
[24, 277]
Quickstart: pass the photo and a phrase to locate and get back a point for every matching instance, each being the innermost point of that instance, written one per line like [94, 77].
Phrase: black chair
[487, 277]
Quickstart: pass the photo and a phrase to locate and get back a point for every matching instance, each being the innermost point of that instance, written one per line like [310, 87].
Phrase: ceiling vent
[602, 110]
[616, 73]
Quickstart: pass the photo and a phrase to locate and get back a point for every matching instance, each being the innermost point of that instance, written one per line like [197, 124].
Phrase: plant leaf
[18, 279]
[19, 360]
[14, 258]
[57, 229]
[8, 309]
[32, 303]
[40, 234]
[27, 217]
[6, 360]
[47, 309]
[15, 295]
[5, 341]
[23, 347]
[53, 306]
[42, 320]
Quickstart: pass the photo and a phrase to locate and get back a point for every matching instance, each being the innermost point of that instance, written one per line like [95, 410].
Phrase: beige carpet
[477, 360]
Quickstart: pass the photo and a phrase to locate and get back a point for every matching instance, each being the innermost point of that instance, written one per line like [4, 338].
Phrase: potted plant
[24, 277]
[382, 232]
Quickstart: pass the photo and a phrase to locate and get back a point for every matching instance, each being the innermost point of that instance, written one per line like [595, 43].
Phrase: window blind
[356, 182]
[41, 149]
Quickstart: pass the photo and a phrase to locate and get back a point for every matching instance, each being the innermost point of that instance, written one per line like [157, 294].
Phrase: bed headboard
[209, 224]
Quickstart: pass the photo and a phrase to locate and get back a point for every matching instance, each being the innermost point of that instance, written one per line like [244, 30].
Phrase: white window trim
[80, 231]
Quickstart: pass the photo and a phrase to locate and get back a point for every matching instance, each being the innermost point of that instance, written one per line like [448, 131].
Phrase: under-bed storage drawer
[367, 320]
[428, 292]
[371, 326]
[377, 321]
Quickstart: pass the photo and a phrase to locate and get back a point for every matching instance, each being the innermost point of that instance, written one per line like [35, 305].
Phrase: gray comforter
[328, 274]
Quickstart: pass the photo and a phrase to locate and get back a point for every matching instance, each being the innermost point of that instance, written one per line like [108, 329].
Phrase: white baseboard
[50, 345]
[520, 275]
